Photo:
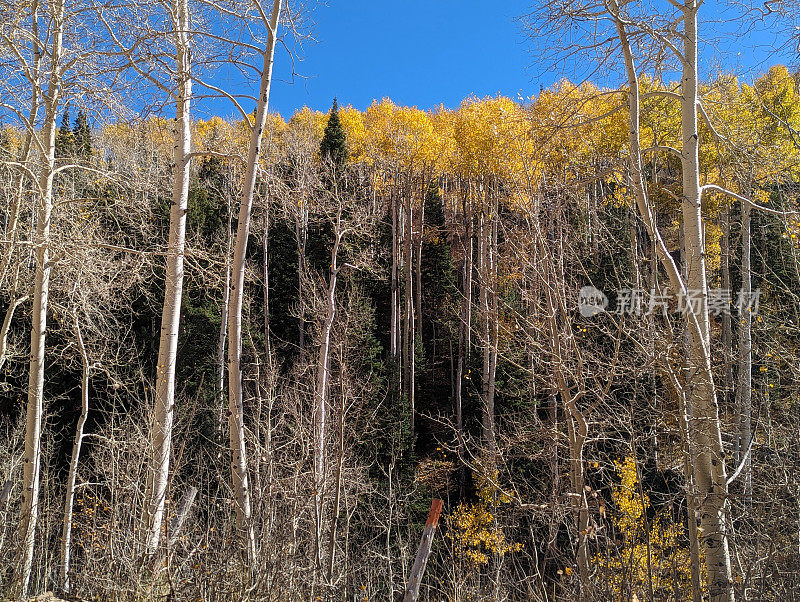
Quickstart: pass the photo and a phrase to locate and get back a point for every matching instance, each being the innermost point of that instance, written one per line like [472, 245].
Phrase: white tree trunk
[223, 326]
[41, 289]
[709, 456]
[69, 498]
[706, 448]
[744, 378]
[33, 421]
[321, 396]
[239, 475]
[161, 434]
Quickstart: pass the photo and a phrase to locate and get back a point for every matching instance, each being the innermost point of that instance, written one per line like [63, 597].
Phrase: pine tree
[334, 143]
[65, 140]
[82, 136]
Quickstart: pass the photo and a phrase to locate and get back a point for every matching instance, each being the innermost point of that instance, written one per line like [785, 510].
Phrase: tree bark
[158, 473]
[223, 325]
[33, 421]
[744, 403]
[423, 552]
[69, 498]
[321, 395]
[706, 449]
[709, 460]
[239, 475]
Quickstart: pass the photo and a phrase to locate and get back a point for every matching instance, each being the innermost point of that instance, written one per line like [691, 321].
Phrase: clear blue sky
[426, 53]
[416, 52]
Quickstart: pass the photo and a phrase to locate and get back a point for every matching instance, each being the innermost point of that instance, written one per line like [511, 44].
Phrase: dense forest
[249, 358]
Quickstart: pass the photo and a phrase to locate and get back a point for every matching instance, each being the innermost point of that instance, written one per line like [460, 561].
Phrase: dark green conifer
[65, 140]
[82, 136]
[333, 147]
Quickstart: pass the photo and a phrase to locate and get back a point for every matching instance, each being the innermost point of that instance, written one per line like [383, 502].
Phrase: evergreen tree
[334, 143]
[82, 136]
[65, 140]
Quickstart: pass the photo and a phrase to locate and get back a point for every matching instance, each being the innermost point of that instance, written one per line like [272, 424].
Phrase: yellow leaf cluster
[474, 527]
[642, 559]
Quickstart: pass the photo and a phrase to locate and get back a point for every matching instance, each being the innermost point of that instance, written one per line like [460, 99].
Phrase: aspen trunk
[727, 330]
[158, 473]
[4, 329]
[408, 303]
[418, 279]
[265, 286]
[744, 378]
[223, 325]
[394, 343]
[321, 397]
[41, 289]
[33, 422]
[337, 504]
[239, 477]
[301, 233]
[487, 301]
[181, 512]
[66, 528]
[706, 447]
[464, 338]
[709, 457]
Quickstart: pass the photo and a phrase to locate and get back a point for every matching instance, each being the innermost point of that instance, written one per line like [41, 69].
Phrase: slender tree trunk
[66, 528]
[408, 302]
[158, 473]
[708, 459]
[41, 289]
[265, 285]
[423, 552]
[464, 338]
[14, 303]
[223, 325]
[337, 504]
[727, 330]
[394, 342]
[239, 477]
[494, 334]
[301, 233]
[744, 379]
[33, 422]
[321, 393]
[418, 282]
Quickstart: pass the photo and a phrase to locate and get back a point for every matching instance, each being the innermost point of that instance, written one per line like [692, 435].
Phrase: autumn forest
[539, 348]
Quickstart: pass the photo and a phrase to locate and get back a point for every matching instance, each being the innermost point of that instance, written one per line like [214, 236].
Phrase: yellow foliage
[643, 555]
[353, 124]
[474, 527]
[400, 136]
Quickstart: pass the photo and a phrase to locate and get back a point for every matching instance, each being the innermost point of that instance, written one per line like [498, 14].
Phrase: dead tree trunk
[423, 552]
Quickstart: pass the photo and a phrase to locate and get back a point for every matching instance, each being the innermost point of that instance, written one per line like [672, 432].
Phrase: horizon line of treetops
[490, 136]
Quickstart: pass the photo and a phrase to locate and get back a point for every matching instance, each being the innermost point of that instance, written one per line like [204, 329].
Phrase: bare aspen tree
[223, 326]
[69, 499]
[37, 74]
[744, 373]
[158, 474]
[235, 395]
[708, 457]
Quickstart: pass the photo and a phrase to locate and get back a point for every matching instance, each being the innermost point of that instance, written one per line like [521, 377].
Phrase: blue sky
[415, 52]
[426, 53]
